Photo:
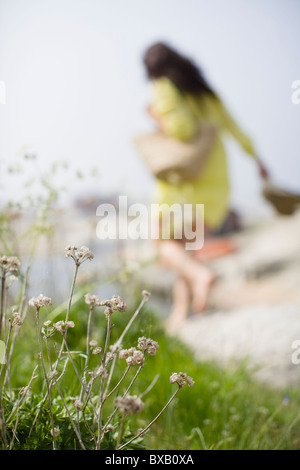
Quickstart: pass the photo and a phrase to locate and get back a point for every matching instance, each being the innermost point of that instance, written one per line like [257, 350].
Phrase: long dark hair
[163, 61]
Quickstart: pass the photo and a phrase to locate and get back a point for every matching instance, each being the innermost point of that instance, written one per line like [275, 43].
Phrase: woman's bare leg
[181, 302]
[198, 277]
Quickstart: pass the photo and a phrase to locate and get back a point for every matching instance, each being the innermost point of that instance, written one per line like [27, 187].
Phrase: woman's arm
[229, 125]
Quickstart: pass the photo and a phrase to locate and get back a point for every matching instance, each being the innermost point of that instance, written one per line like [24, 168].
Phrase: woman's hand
[154, 116]
[264, 173]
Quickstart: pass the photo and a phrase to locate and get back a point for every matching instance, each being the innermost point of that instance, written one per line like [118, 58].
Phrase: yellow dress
[180, 116]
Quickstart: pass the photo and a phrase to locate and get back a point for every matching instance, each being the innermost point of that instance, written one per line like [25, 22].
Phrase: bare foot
[181, 301]
[200, 284]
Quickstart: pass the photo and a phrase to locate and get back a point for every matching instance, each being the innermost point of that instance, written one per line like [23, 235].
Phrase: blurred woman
[182, 99]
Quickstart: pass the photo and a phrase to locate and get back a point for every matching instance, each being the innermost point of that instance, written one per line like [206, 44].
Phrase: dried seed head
[17, 320]
[138, 357]
[55, 432]
[118, 303]
[148, 345]
[97, 350]
[146, 294]
[129, 404]
[47, 323]
[108, 311]
[110, 356]
[152, 347]
[78, 405]
[40, 301]
[130, 361]
[110, 428]
[143, 343]
[62, 326]
[92, 300]
[102, 371]
[181, 379]
[93, 343]
[79, 256]
[133, 356]
[10, 264]
[59, 326]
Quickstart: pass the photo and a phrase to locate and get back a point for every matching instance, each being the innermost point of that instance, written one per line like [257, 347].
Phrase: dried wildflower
[10, 264]
[152, 347]
[91, 299]
[108, 311]
[97, 350]
[130, 361]
[47, 323]
[138, 357]
[59, 326]
[133, 356]
[143, 343]
[190, 381]
[55, 432]
[79, 256]
[118, 303]
[110, 428]
[129, 404]
[181, 379]
[40, 301]
[78, 405]
[123, 354]
[146, 294]
[102, 371]
[62, 326]
[148, 345]
[109, 356]
[17, 320]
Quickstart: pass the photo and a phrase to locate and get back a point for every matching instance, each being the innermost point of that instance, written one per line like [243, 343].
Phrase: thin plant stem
[87, 349]
[143, 431]
[124, 395]
[2, 424]
[76, 371]
[149, 388]
[101, 394]
[121, 429]
[62, 344]
[6, 349]
[2, 300]
[20, 400]
[8, 362]
[118, 384]
[45, 397]
[45, 376]
[69, 415]
[119, 341]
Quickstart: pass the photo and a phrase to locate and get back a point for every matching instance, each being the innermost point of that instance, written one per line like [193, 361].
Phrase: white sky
[76, 88]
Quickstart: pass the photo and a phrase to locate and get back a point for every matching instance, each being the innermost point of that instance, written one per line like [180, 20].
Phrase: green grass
[226, 408]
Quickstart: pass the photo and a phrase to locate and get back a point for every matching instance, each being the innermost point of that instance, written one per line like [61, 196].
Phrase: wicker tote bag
[284, 202]
[173, 160]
